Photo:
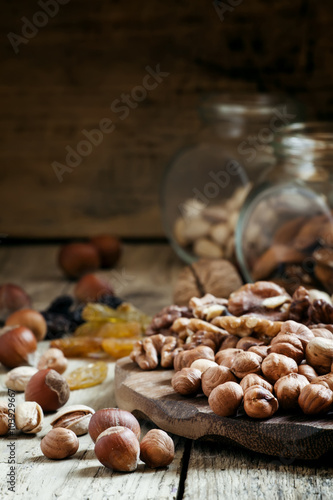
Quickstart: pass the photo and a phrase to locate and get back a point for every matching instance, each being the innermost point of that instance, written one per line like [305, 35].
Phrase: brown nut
[259, 402]
[12, 298]
[184, 359]
[255, 379]
[49, 389]
[74, 417]
[4, 419]
[289, 345]
[319, 354]
[53, 358]
[111, 417]
[214, 376]
[90, 288]
[229, 342]
[203, 364]
[246, 342]
[29, 417]
[261, 350]
[157, 449]
[59, 443]
[225, 399]
[276, 366]
[76, 259]
[326, 380]
[302, 332]
[30, 318]
[245, 363]
[16, 346]
[118, 448]
[109, 249]
[315, 399]
[226, 356]
[288, 388]
[187, 381]
[18, 378]
[307, 371]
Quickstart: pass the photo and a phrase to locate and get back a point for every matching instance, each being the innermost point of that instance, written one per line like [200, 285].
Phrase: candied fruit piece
[87, 376]
[78, 346]
[125, 312]
[105, 329]
[118, 348]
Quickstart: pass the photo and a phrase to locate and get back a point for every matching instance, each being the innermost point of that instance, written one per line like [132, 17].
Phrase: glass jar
[285, 228]
[205, 184]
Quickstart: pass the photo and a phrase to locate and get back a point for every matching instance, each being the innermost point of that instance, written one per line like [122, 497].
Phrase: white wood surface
[206, 471]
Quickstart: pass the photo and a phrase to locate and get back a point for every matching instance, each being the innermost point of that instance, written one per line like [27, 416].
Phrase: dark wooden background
[67, 76]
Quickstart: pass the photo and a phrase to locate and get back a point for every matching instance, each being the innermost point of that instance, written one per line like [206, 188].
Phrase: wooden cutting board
[149, 394]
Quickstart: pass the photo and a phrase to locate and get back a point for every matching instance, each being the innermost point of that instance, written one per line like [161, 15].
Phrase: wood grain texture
[151, 393]
[66, 77]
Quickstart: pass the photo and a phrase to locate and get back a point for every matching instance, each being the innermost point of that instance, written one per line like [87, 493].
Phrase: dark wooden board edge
[288, 436]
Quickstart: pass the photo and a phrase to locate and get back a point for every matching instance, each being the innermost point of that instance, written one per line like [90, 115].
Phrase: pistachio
[75, 417]
[4, 423]
[29, 417]
[18, 378]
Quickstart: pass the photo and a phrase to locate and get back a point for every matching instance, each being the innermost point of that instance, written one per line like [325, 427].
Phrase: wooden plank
[221, 471]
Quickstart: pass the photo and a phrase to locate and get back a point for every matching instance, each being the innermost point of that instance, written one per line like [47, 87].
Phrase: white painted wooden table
[200, 470]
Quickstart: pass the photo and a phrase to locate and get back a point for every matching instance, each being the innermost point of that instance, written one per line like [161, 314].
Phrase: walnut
[146, 352]
[201, 337]
[194, 325]
[216, 276]
[261, 298]
[320, 311]
[163, 320]
[208, 307]
[324, 267]
[244, 326]
[300, 304]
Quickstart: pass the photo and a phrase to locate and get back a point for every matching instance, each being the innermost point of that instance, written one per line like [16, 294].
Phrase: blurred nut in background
[109, 249]
[90, 288]
[77, 259]
[12, 298]
[31, 319]
[53, 358]
[16, 346]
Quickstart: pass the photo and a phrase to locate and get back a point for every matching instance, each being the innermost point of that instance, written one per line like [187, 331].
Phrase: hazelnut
[118, 448]
[246, 342]
[111, 417]
[90, 288]
[184, 359]
[325, 380]
[31, 319]
[288, 388]
[255, 379]
[225, 399]
[49, 389]
[203, 364]
[259, 402]
[109, 249]
[187, 381]
[29, 417]
[16, 346]
[76, 259]
[229, 342]
[244, 363]
[53, 358]
[275, 366]
[157, 449]
[227, 356]
[307, 371]
[18, 378]
[214, 376]
[261, 350]
[4, 421]
[319, 354]
[12, 298]
[74, 417]
[315, 399]
[59, 443]
[289, 345]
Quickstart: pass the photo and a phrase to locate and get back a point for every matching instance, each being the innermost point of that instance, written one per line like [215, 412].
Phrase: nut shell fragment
[74, 417]
[29, 417]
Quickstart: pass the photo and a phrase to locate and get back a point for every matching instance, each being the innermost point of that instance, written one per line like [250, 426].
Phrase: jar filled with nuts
[206, 183]
[285, 229]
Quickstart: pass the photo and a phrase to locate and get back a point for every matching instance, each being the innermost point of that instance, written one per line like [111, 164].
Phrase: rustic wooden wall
[65, 77]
